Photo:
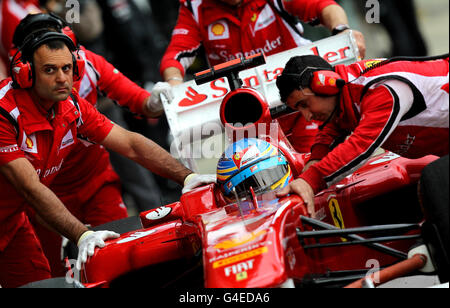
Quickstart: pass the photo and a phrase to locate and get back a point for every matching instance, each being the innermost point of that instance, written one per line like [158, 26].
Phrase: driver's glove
[194, 180]
[154, 104]
[88, 241]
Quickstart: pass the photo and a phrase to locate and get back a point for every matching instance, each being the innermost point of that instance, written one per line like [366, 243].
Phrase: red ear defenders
[326, 83]
[22, 70]
[322, 82]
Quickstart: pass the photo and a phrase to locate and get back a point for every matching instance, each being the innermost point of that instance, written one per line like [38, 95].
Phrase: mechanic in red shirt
[229, 29]
[11, 12]
[41, 120]
[400, 105]
[87, 183]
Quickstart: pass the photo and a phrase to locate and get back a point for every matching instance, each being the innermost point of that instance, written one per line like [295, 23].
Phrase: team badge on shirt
[67, 140]
[29, 143]
[265, 19]
[218, 30]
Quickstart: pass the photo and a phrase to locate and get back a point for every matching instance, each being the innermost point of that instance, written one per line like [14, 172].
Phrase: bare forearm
[21, 174]
[53, 212]
[145, 152]
[332, 16]
[173, 76]
[156, 159]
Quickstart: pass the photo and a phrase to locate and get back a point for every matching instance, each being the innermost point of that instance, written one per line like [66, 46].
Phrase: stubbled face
[311, 106]
[53, 74]
[232, 2]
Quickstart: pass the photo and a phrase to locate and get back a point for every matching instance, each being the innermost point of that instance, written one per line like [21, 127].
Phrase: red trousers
[23, 260]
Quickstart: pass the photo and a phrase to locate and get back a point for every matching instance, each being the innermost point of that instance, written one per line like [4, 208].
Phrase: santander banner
[195, 106]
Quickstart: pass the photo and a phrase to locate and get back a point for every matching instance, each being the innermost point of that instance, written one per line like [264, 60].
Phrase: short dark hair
[52, 45]
[297, 74]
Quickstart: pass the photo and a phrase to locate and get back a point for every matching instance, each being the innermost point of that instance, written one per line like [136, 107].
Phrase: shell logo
[29, 143]
[218, 29]
[332, 81]
[254, 17]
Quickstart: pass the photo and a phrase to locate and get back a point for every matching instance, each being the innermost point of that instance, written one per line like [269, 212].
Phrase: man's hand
[154, 104]
[88, 241]
[334, 15]
[304, 190]
[195, 180]
[360, 42]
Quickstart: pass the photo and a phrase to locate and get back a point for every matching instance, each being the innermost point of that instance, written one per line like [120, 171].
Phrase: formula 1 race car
[388, 219]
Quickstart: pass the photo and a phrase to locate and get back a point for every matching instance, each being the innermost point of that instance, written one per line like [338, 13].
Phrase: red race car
[386, 220]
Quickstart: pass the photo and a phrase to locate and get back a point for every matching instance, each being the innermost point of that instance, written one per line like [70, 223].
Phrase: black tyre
[121, 226]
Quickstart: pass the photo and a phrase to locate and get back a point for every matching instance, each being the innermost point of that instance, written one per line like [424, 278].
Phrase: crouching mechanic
[41, 121]
[87, 184]
[400, 105]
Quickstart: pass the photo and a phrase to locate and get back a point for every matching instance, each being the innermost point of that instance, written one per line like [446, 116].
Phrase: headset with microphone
[322, 82]
[21, 67]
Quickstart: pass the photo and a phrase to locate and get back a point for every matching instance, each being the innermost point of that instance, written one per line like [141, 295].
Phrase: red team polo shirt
[44, 140]
[88, 167]
[230, 33]
[11, 13]
[378, 114]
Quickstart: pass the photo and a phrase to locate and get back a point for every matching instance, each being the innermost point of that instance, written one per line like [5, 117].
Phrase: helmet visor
[265, 180]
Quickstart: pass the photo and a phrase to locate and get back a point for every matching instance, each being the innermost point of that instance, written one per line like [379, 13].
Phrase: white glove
[154, 104]
[194, 180]
[88, 241]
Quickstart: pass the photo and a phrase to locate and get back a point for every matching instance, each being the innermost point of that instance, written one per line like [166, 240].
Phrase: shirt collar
[216, 10]
[34, 117]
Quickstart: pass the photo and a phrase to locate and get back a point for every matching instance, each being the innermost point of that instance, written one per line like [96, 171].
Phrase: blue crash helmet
[252, 162]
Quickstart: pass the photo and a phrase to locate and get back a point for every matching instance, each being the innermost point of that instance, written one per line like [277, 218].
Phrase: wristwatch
[339, 28]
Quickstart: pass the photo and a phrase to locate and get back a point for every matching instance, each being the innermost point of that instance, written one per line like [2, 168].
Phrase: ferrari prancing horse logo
[336, 214]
